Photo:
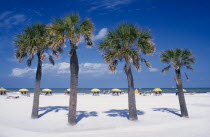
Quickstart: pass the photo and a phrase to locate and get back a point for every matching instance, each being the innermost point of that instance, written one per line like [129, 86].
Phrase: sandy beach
[105, 116]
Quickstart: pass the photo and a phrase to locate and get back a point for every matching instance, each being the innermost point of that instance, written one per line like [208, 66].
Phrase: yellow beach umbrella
[184, 90]
[157, 90]
[95, 90]
[116, 90]
[23, 89]
[47, 90]
[68, 89]
[3, 89]
[136, 91]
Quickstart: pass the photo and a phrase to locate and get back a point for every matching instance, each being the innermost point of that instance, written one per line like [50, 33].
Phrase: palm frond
[51, 60]
[147, 63]
[43, 56]
[145, 43]
[127, 42]
[72, 20]
[178, 58]
[189, 67]
[109, 56]
[135, 58]
[166, 69]
[178, 53]
[86, 29]
[29, 61]
[112, 65]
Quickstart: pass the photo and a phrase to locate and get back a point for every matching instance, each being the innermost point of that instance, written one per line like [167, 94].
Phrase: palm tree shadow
[79, 116]
[121, 113]
[85, 114]
[168, 110]
[49, 109]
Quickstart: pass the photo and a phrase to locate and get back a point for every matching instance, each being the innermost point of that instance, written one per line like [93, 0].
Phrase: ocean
[88, 90]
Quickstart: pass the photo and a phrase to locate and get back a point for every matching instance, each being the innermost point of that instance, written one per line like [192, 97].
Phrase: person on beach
[3, 93]
[160, 93]
[48, 93]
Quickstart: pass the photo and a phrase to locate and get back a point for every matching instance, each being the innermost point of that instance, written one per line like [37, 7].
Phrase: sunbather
[13, 97]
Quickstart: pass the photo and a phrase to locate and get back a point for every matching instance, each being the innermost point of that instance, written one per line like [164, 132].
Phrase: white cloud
[95, 69]
[107, 4]
[18, 72]
[101, 34]
[4, 14]
[9, 19]
[60, 68]
[153, 70]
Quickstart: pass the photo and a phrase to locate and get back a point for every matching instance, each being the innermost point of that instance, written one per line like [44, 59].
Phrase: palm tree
[127, 42]
[35, 40]
[178, 58]
[72, 29]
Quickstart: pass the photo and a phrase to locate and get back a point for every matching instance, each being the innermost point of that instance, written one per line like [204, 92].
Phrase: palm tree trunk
[131, 94]
[74, 68]
[35, 108]
[181, 97]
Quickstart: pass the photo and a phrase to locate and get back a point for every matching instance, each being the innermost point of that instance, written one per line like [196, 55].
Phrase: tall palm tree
[178, 58]
[35, 40]
[127, 42]
[72, 29]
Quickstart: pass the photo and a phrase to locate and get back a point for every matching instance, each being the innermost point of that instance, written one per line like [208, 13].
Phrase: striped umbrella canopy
[95, 90]
[68, 89]
[3, 89]
[116, 90]
[157, 89]
[23, 89]
[47, 90]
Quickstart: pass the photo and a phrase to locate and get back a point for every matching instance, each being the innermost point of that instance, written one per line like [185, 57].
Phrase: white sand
[105, 116]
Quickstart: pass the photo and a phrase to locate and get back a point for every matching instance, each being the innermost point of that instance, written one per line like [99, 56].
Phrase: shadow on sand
[80, 114]
[121, 113]
[168, 110]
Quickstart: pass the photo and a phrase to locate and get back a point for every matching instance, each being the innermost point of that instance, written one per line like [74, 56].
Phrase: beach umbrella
[23, 89]
[136, 91]
[3, 89]
[47, 90]
[95, 90]
[184, 90]
[68, 89]
[157, 90]
[116, 90]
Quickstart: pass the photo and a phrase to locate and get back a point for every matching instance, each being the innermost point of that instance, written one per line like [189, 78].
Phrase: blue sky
[174, 23]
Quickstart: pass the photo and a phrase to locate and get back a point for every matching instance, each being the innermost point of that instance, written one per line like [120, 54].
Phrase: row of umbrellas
[26, 90]
[136, 91]
[160, 90]
[93, 90]
[98, 90]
